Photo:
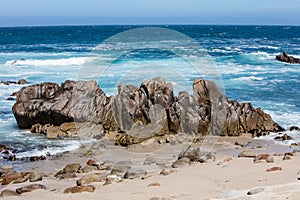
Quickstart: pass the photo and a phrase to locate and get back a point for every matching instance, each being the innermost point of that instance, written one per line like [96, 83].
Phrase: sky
[57, 12]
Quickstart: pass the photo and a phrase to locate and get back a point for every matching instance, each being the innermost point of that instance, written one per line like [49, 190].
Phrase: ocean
[240, 58]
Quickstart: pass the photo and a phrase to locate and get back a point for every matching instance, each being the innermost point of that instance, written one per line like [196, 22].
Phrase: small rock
[22, 82]
[255, 191]
[112, 179]
[74, 167]
[286, 158]
[277, 154]
[30, 188]
[294, 128]
[164, 172]
[149, 161]
[80, 189]
[295, 144]
[228, 159]
[272, 169]
[88, 179]
[121, 168]
[247, 154]
[10, 177]
[289, 154]
[154, 185]
[8, 193]
[286, 137]
[34, 177]
[135, 173]
[264, 157]
[183, 162]
[68, 175]
[91, 162]
[237, 143]
[89, 168]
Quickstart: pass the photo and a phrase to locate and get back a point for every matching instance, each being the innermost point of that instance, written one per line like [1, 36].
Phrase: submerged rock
[138, 112]
[284, 57]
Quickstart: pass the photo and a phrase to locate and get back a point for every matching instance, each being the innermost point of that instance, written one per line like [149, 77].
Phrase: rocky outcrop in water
[284, 57]
[141, 112]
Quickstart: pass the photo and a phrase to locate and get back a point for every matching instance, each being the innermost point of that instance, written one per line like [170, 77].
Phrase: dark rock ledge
[137, 113]
[284, 57]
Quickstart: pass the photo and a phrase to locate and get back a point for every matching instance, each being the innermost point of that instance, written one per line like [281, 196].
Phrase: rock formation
[140, 112]
[284, 57]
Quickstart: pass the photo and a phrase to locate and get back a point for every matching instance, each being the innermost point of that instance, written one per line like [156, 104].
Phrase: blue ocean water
[244, 56]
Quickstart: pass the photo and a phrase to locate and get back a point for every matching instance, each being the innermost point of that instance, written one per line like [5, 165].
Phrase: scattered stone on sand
[10, 176]
[8, 193]
[284, 57]
[30, 188]
[91, 162]
[286, 158]
[112, 179]
[255, 191]
[80, 189]
[89, 168]
[120, 168]
[194, 153]
[277, 154]
[273, 169]
[289, 154]
[247, 154]
[133, 173]
[74, 167]
[150, 161]
[295, 144]
[88, 179]
[263, 158]
[154, 184]
[228, 159]
[183, 162]
[68, 175]
[34, 176]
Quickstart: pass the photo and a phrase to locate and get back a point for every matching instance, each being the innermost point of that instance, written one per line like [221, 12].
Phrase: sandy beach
[226, 176]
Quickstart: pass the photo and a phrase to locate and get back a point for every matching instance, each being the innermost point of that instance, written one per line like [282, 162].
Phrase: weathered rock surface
[195, 154]
[284, 57]
[80, 189]
[88, 179]
[247, 154]
[263, 158]
[139, 112]
[133, 173]
[30, 188]
[8, 193]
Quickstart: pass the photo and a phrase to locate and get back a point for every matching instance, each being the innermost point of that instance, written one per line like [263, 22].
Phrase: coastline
[226, 176]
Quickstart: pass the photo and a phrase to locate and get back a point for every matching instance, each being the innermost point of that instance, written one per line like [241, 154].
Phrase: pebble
[272, 169]
[255, 191]
[154, 185]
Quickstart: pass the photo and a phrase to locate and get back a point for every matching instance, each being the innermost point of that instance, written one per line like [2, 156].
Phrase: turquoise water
[244, 56]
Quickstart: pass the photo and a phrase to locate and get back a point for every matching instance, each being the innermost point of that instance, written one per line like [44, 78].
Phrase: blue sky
[39, 12]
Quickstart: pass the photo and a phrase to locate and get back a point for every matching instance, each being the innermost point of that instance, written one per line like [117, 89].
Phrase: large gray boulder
[139, 112]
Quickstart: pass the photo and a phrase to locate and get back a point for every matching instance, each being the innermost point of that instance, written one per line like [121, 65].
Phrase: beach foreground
[225, 176]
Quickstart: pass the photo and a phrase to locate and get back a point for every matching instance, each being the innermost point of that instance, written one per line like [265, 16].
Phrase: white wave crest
[248, 78]
[51, 62]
